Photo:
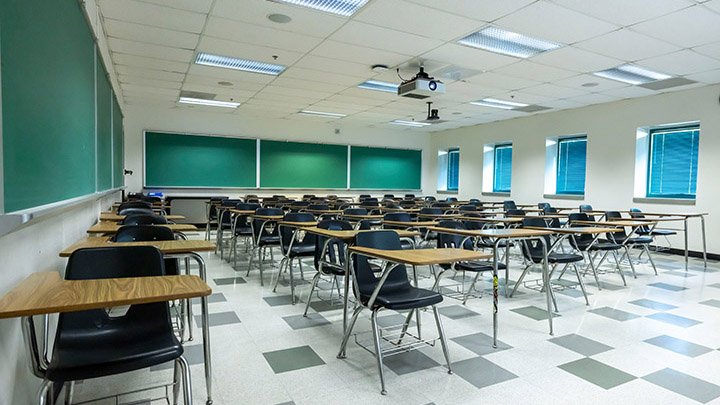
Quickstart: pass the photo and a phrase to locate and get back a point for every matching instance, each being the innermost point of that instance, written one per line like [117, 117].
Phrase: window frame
[559, 142]
[449, 163]
[651, 140]
[497, 146]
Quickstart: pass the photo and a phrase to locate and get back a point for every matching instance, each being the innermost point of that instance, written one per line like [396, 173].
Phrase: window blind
[571, 162]
[673, 162]
[502, 173]
[453, 169]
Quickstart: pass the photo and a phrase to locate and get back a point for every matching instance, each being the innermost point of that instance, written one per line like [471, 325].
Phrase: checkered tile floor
[655, 341]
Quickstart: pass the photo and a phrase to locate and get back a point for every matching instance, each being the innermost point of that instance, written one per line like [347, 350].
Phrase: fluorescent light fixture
[495, 103]
[632, 74]
[238, 64]
[321, 114]
[213, 103]
[378, 85]
[409, 123]
[497, 40]
[345, 8]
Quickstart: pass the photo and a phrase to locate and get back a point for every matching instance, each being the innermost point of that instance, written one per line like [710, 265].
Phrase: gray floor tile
[278, 300]
[287, 403]
[679, 346]
[409, 362]
[657, 305]
[323, 306]
[481, 372]
[678, 273]
[573, 292]
[229, 281]
[138, 402]
[219, 319]
[480, 343]
[534, 312]
[193, 354]
[457, 312]
[597, 373]
[715, 285]
[302, 322]
[580, 344]
[295, 358]
[615, 314]
[674, 319]
[606, 286]
[393, 320]
[669, 287]
[712, 303]
[685, 385]
[212, 298]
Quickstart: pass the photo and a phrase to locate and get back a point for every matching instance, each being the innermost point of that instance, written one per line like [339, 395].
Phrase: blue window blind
[571, 160]
[453, 169]
[672, 172]
[502, 172]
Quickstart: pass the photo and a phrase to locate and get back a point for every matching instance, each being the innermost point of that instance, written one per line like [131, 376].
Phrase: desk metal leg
[205, 330]
[495, 291]
[548, 287]
[685, 223]
[346, 290]
[702, 224]
[507, 265]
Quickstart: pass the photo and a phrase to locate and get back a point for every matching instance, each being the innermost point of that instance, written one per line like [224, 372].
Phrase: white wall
[205, 121]
[611, 130]
[35, 247]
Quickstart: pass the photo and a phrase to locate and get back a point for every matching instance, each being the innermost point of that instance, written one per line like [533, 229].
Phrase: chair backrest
[143, 233]
[430, 198]
[218, 198]
[392, 205]
[473, 200]
[308, 196]
[241, 221]
[257, 223]
[580, 242]
[371, 203]
[550, 210]
[318, 207]
[617, 237]
[131, 211]
[364, 276]
[363, 196]
[355, 211]
[578, 216]
[230, 202]
[364, 199]
[389, 196]
[468, 208]
[286, 232]
[299, 205]
[335, 252]
[446, 240]
[637, 214]
[150, 199]
[543, 205]
[533, 248]
[452, 199]
[473, 225]
[441, 205]
[509, 205]
[585, 207]
[252, 200]
[407, 203]
[135, 204]
[396, 216]
[431, 211]
[409, 195]
[247, 206]
[144, 219]
[514, 213]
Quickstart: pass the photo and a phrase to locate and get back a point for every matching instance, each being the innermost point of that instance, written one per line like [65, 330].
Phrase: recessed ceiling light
[409, 123]
[321, 114]
[213, 103]
[632, 74]
[507, 43]
[378, 85]
[495, 103]
[345, 8]
[591, 84]
[238, 64]
[279, 18]
[225, 83]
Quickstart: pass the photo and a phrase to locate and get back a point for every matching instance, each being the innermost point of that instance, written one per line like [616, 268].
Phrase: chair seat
[637, 241]
[559, 258]
[490, 244]
[474, 266]
[108, 350]
[269, 240]
[605, 246]
[243, 230]
[405, 299]
[660, 233]
[302, 250]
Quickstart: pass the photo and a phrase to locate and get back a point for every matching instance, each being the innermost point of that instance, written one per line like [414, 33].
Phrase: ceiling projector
[421, 86]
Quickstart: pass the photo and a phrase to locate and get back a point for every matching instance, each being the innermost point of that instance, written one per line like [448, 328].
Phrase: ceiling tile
[675, 28]
[683, 62]
[237, 85]
[238, 94]
[623, 12]
[477, 59]
[360, 101]
[141, 81]
[301, 84]
[198, 6]
[553, 91]
[551, 22]
[535, 71]
[386, 39]
[256, 52]
[710, 77]
[149, 50]
[149, 63]
[627, 45]
[256, 34]
[323, 77]
[372, 94]
[711, 50]
[153, 35]
[713, 5]
[576, 59]
[594, 98]
[629, 92]
[415, 19]
[287, 91]
[563, 104]
[334, 66]
[151, 14]
[576, 82]
[523, 97]
[484, 10]
[149, 73]
[499, 80]
[358, 54]
[236, 77]
[147, 89]
[304, 21]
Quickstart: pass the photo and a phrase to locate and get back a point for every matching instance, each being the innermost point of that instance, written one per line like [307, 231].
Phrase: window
[571, 162]
[673, 161]
[502, 168]
[448, 169]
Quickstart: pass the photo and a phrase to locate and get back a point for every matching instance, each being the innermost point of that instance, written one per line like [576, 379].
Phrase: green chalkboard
[302, 165]
[118, 149]
[48, 109]
[177, 160]
[382, 168]
[103, 98]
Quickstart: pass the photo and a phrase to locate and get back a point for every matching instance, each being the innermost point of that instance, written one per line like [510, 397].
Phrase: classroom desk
[440, 216]
[410, 224]
[267, 217]
[154, 205]
[321, 212]
[508, 234]
[357, 217]
[506, 221]
[683, 217]
[47, 293]
[112, 216]
[110, 228]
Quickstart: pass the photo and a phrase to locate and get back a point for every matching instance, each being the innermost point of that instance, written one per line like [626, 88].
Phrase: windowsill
[495, 194]
[447, 192]
[669, 201]
[565, 196]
